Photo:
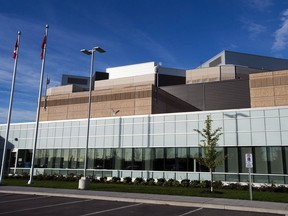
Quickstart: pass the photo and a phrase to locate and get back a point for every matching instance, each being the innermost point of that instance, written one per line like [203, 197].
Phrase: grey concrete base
[84, 183]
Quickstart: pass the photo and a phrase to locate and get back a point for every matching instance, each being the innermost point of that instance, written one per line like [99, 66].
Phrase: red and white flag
[43, 45]
[15, 50]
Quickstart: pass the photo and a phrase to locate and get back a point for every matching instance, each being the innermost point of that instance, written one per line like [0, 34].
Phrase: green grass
[180, 191]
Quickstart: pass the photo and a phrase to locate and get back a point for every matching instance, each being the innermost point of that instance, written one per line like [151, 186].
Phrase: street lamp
[84, 181]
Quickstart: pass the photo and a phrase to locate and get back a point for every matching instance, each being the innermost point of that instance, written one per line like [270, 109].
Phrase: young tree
[210, 158]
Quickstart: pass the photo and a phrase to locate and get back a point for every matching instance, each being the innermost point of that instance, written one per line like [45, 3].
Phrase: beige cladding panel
[262, 92]
[143, 102]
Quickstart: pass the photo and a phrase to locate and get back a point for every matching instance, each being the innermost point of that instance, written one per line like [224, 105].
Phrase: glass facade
[159, 143]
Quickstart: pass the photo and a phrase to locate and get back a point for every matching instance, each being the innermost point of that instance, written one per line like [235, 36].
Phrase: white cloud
[253, 28]
[281, 34]
[17, 115]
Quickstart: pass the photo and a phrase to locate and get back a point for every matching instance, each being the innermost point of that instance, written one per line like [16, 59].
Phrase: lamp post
[84, 181]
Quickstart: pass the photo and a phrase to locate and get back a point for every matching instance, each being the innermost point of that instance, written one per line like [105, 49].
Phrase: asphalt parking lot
[20, 204]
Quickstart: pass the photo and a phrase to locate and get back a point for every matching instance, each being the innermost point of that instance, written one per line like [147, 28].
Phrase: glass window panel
[193, 139]
[157, 118]
[275, 160]
[158, 140]
[148, 160]
[273, 138]
[72, 163]
[284, 137]
[181, 140]
[230, 138]
[158, 128]
[181, 127]
[119, 160]
[170, 159]
[229, 125]
[285, 161]
[138, 159]
[284, 123]
[243, 125]
[128, 165]
[191, 125]
[98, 158]
[108, 141]
[138, 128]
[75, 131]
[158, 159]
[127, 129]
[127, 140]
[217, 124]
[90, 159]
[272, 124]
[258, 138]
[257, 124]
[50, 156]
[232, 160]
[221, 166]
[83, 131]
[260, 160]
[66, 131]
[108, 158]
[65, 158]
[137, 140]
[180, 117]
[244, 139]
[109, 129]
[100, 131]
[59, 132]
[192, 117]
[80, 158]
[271, 113]
[181, 159]
[169, 118]
[169, 140]
[257, 113]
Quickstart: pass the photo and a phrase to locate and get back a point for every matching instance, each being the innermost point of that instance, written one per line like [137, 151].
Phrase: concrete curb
[198, 204]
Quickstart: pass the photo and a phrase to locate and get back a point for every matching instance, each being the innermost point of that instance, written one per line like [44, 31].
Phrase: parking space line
[47, 206]
[195, 210]
[114, 209]
[16, 200]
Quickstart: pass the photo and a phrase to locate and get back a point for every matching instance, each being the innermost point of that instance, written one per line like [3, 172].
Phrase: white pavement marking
[114, 209]
[47, 206]
[16, 200]
[195, 210]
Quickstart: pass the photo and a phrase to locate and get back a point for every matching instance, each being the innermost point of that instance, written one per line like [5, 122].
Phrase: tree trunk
[211, 183]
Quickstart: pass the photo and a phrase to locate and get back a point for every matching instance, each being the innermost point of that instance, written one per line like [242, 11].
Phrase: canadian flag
[15, 50]
[43, 46]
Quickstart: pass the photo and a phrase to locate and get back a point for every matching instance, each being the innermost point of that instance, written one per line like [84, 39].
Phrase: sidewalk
[216, 203]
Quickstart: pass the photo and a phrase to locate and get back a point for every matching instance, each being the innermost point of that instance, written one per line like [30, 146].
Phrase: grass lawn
[180, 191]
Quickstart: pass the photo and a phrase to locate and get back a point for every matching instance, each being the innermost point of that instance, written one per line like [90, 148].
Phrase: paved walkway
[216, 203]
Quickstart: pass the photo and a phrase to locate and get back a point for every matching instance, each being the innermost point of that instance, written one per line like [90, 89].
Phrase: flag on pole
[15, 50]
[43, 45]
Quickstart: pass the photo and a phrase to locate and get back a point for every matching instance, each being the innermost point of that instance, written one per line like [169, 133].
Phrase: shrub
[161, 181]
[139, 180]
[195, 183]
[185, 183]
[103, 179]
[127, 180]
[150, 181]
[115, 179]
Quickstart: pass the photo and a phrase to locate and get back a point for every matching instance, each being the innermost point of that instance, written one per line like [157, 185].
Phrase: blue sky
[177, 33]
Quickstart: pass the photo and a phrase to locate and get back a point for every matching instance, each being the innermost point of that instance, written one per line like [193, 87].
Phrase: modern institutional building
[144, 115]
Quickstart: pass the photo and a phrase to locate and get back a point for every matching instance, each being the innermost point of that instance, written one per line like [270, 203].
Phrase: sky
[178, 33]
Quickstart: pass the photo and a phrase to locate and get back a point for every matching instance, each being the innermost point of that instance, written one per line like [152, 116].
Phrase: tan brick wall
[128, 100]
[269, 89]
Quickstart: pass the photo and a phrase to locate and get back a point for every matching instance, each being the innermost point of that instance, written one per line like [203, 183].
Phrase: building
[142, 125]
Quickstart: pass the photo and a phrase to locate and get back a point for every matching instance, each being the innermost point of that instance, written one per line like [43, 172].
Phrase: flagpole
[16, 51]
[39, 103]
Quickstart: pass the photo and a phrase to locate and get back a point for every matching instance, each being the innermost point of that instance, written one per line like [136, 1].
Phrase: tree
[211, 157]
